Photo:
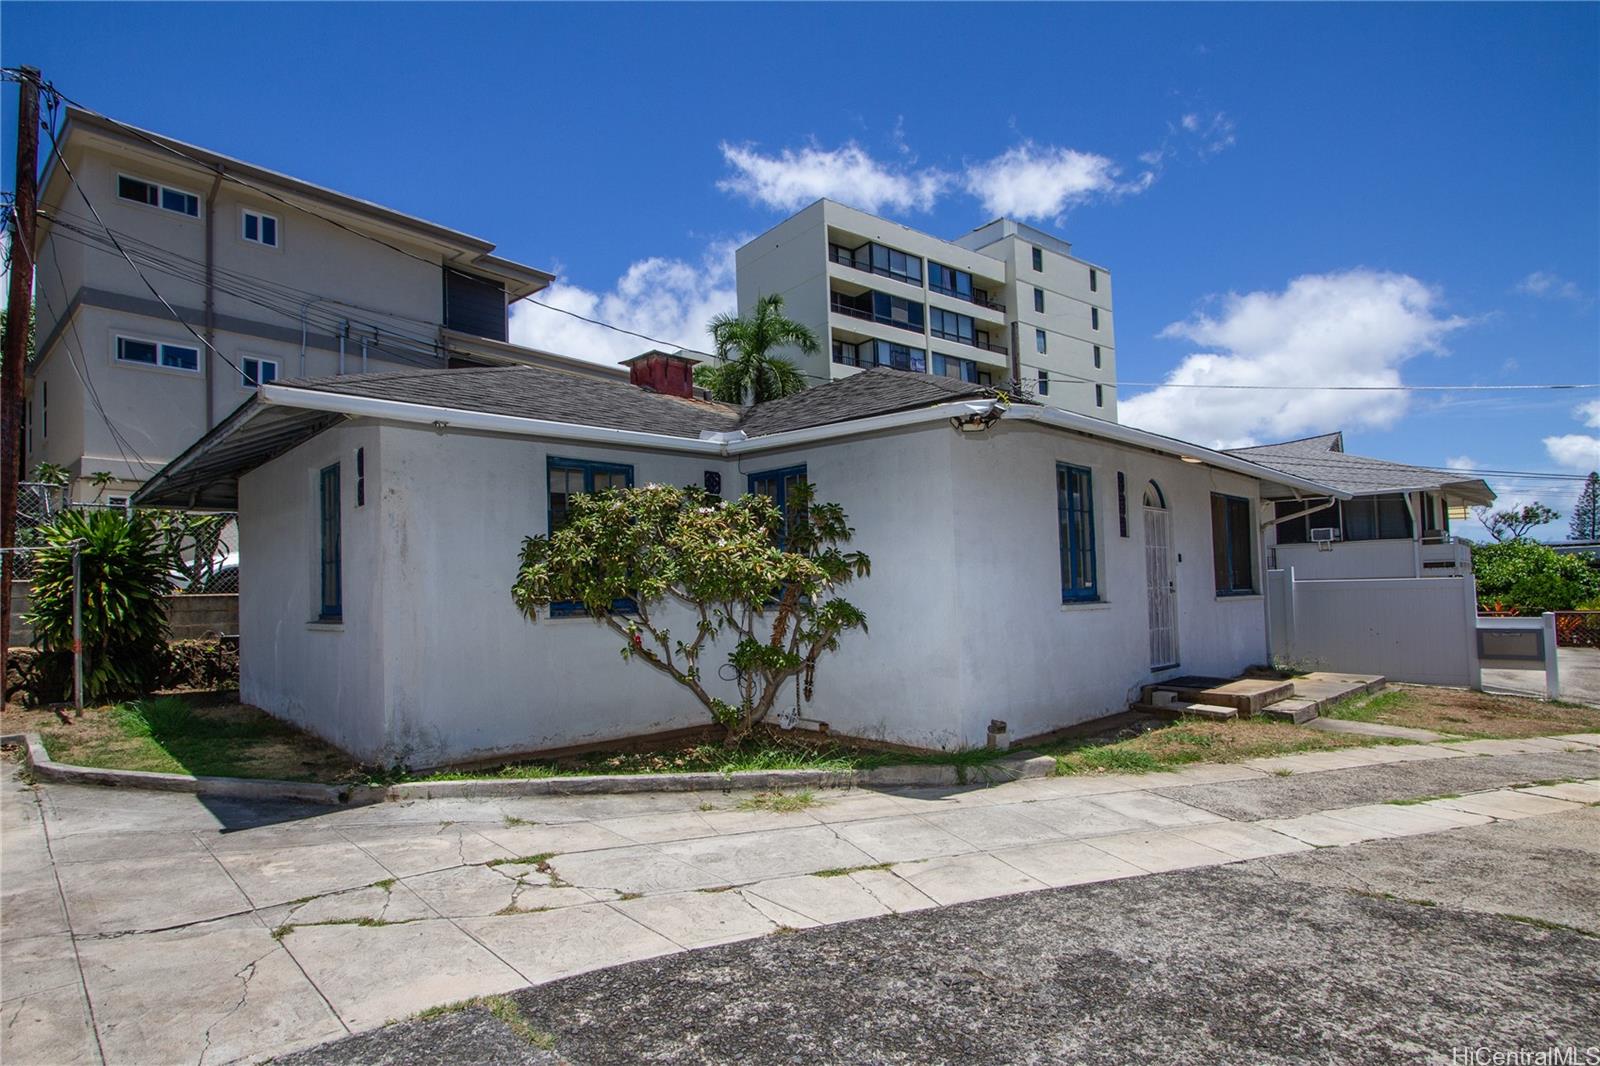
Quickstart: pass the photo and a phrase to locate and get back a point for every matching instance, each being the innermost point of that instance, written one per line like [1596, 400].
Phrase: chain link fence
[205, 543]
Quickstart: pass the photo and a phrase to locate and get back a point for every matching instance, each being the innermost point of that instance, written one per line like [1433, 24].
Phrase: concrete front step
[1248, 695]
[1178, 709]
[1293, 710]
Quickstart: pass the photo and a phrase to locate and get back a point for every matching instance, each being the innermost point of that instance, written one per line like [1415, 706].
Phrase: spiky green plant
[126, 563]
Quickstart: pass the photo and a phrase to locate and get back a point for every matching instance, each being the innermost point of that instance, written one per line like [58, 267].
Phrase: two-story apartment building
[1006, 302]
[256, 276]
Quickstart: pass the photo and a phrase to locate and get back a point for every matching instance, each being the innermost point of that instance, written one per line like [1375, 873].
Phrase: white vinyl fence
[1422, 630]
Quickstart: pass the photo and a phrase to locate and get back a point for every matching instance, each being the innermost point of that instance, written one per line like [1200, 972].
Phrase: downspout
[211, 298]
[1416, 533]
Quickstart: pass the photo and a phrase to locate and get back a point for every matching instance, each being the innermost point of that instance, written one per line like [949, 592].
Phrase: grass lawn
[1190, 740]
[1469, 714]
[171, 735]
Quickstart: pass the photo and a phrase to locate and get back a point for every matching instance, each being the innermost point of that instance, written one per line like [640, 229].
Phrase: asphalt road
[1395, 950]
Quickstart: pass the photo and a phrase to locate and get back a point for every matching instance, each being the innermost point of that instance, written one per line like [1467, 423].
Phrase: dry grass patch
[173, 736]
[1471, 714]
[1191, 740]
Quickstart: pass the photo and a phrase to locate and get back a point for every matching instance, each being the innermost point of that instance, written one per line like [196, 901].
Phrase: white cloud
[1550, 286]
[792, 179]
[1588, 413]
[669, 299]
[1038, 182]
[1575, 451]
[1352, 328]
[1460, 462]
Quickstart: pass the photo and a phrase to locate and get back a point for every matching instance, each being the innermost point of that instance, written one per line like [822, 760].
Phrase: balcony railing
[981, 301]
[998, 349]
[867, 316]
[864, 265]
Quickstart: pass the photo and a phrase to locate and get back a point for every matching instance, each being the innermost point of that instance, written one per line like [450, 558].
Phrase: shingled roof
[536, 392]
[289, 412]
[1323, 459]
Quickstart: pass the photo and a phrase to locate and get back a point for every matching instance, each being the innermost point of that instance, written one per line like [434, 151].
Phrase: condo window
[154, 353]
[899, 356]
[253, 371]
[565, 479]
[1039, 342]
[330, 578]
[149, 192]
[1097, 357]
[1232, 545]
[949, 281]
[951, 326]
[260, 229]
[1075, 511]
[965, 369]
[1038, 300]
[1038, 260]
[1094, 280]
[897, 265]
[1094, 318]
[1099, 395]
[1044, 383]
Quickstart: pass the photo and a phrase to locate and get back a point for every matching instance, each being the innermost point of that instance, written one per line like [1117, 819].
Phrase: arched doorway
[1161, 579]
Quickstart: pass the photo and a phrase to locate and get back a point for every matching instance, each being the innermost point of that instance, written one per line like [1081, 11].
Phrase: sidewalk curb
[1015, 767]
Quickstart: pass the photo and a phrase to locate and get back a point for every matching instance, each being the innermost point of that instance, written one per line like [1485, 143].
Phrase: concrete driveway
[1390, 951]
[1579, 670]
[152, 928]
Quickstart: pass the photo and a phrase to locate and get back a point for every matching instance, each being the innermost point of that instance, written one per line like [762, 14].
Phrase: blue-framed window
[1075, 508]
[566, 478]
[776, 486]
[330, 580]
[1233, 542]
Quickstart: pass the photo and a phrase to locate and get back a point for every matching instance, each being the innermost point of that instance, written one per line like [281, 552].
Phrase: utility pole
[19, 320]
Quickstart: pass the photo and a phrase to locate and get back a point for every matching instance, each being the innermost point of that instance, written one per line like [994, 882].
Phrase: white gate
[1163, 590]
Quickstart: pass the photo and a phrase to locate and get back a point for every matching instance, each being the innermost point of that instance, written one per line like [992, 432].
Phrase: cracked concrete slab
[278, 875]
[561, 943]
[156, 893]
[376, 974]
[747, 857]
[403, 851]
[479, 891]
[899, 839]
[208, 993]
[49, 1027]
[698, 919]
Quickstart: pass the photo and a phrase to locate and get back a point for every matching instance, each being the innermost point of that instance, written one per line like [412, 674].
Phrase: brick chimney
[669, 373]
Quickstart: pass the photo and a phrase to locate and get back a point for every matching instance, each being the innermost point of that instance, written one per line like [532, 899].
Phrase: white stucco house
[1395, 524]
[1028, 564]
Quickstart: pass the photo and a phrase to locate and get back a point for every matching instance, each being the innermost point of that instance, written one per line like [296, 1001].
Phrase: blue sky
[1316, 194]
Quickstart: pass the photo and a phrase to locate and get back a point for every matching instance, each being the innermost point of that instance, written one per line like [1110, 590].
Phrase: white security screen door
[1163, 587]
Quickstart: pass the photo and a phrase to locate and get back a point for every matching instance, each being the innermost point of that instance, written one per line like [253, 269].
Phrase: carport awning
[207, 475]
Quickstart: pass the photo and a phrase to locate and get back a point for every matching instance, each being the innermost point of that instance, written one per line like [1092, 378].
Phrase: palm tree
[745, 371]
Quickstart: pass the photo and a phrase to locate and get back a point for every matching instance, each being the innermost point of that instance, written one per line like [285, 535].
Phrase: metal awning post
[77, 626]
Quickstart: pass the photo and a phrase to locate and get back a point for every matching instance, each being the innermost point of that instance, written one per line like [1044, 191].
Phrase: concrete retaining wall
[192, 617]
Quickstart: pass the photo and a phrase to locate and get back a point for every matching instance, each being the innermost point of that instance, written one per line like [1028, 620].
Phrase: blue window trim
[1066, 501]
[331, 608]
[1227, 546]
[572, 608]
[780, 496]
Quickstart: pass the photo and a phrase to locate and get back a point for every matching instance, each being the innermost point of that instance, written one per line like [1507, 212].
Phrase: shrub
[125, 567]
[1533, 578]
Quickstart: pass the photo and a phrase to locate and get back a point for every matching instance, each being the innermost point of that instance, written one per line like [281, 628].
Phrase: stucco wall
[966, 624]
[327, 678]
[1039, 664]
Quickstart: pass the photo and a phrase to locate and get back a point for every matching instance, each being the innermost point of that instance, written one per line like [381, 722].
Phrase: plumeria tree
[740, 572]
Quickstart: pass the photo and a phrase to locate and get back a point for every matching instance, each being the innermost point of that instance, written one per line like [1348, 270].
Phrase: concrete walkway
[152, 928]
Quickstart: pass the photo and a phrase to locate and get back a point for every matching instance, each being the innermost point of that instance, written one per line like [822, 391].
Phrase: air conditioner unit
[1325, 535]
